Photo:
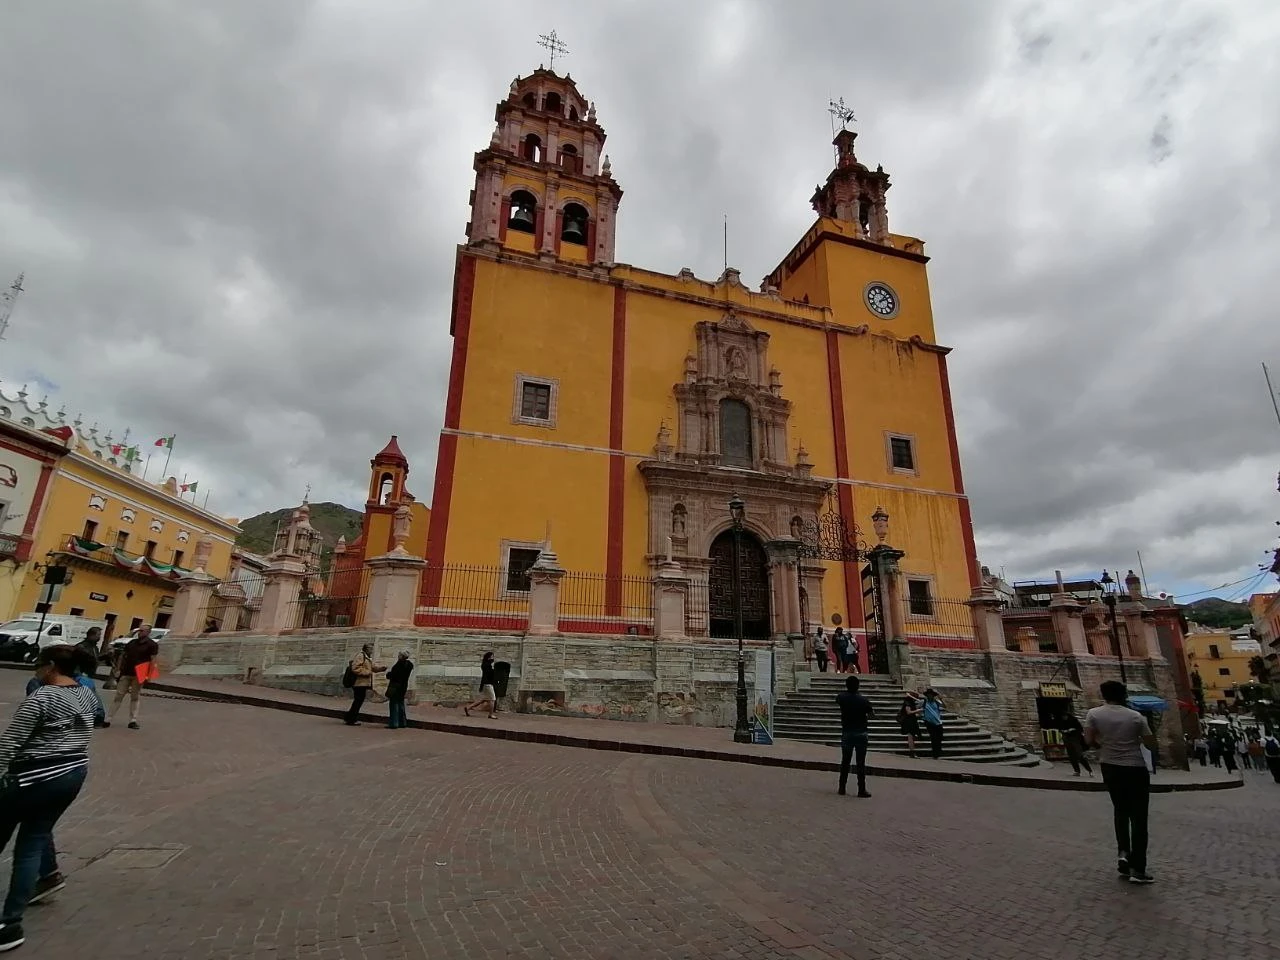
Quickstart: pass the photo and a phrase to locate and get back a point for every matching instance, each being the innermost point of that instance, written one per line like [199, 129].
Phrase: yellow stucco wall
[1199, 653]
[78, 480]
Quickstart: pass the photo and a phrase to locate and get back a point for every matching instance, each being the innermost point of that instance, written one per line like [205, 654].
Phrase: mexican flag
[130, 453]
[124, 560]
[190, 487]
[166, 441]
[84, 547]
[159, 569]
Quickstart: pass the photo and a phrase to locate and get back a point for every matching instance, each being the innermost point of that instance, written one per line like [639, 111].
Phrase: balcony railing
[77, 546]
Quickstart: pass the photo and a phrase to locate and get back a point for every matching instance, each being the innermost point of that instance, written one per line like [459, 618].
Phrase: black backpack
[348, 676]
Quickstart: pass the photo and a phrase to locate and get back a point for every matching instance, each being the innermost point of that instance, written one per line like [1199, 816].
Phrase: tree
[1260, 670]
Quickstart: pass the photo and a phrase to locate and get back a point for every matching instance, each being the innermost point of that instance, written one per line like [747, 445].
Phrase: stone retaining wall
[619, 678]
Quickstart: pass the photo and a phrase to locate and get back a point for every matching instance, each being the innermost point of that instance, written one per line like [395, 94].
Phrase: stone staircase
[812, 715]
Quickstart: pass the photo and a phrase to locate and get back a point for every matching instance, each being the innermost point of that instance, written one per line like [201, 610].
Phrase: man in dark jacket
[397, 690]
[140, 651]
[855, 711]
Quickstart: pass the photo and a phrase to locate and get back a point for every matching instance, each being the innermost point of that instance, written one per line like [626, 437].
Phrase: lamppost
[738, 514]
[1109, 591]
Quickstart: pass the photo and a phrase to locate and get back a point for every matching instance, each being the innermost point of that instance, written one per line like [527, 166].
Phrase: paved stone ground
[222, 831]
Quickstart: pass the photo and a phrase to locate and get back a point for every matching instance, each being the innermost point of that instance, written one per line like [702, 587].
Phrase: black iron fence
[474, 596]
[938, 622]
[697, 610]
[234, 604]
[605, 603]
[316, 607]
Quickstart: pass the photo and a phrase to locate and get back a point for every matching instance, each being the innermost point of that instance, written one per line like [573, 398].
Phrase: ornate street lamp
[1110, 590]
[738, 514]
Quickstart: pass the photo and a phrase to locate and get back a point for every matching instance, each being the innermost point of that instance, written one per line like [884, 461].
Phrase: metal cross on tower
[554, 46]
[7, 300]
[839, 111]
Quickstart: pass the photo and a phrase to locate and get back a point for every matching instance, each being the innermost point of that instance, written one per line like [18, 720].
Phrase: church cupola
[544, 185]
[853, 194]
[388, 472]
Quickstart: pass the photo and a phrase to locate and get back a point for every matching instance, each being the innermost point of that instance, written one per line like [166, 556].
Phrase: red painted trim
[591, 240]
[617, 463]
[851, 571]
[504, 216]
[539, 221]
[957, 476]
[559, 227]
[37, 500]
[447, 453]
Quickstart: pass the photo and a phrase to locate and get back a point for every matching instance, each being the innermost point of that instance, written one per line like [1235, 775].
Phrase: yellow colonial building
[125, 541]
[618, 410]
[1221, 658]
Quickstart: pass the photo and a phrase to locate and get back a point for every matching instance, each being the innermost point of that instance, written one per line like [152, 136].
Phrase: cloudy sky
[237, 222]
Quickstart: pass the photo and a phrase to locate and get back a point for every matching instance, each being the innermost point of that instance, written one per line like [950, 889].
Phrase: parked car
[22, 639]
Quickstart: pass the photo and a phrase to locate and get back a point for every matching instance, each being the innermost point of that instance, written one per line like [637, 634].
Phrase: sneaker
[11, 936]
[1141, 877]
[133, 725]
[47, 886]
[1122, 865]
[864, 795]
[105, 723]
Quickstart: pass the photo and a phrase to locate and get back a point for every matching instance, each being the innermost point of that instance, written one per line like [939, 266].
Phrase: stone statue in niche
[736, 363]
[679, 518]
[400, 526]
[690, 368]
[797, 528]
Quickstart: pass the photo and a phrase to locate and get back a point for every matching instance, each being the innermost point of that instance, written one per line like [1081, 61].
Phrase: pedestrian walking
[488, 693]
[840, 650]
[855, 711]
[909, 719]
[1271, 751]
[931, 714]
[360, 671]
[140, 651]
[43, 763]
[1215, 751]
[1202, 751]
[1229, 756]
[1242, 748]
[1119, 734]
[82, 678]
[1073, 740]
[820, 648]
[1256, 758]
[397, 690]
[853, 654]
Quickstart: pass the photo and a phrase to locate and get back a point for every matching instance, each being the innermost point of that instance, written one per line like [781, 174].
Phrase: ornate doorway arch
[754, 569]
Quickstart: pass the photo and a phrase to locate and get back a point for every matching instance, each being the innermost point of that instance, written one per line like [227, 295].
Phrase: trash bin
[501, 674]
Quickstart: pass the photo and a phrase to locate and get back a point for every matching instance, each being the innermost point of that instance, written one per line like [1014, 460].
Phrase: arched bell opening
[573, 224]
[531, 148]
[569, 159]
[552, 104]
[524, 212]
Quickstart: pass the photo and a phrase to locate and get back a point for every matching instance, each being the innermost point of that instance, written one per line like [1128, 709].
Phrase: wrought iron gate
[873, 604]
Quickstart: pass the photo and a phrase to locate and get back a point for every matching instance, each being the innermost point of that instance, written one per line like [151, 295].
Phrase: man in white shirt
[1119, 733]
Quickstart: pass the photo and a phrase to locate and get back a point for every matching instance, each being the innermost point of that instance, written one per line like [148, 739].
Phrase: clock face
[881, 300]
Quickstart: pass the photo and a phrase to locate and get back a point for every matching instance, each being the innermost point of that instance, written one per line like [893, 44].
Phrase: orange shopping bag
[146, 671]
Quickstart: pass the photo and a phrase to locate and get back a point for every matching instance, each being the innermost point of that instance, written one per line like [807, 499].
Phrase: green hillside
[333, 520]
[1219, 614]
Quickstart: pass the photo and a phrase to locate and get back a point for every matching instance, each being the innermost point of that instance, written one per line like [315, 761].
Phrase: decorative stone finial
[662, 449]
[690, 368]
[496, 139]
[591, 118]
[775, 381]
[880, 524]
[1133, 583]
[400, 527]
[340, 547]
[204, 547]
[515, 86]
[686, 275]
[606, 168]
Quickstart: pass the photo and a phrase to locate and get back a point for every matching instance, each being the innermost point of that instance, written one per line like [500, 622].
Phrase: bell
[521, 219]
[573, 232]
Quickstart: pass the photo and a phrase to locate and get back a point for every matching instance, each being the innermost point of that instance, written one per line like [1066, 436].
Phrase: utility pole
[7, 300]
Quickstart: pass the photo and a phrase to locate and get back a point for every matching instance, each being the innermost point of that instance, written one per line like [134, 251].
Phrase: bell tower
[388, 472]
[853, 194]
[543, 185]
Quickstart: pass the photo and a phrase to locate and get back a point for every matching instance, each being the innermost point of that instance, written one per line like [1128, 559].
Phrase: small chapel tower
[544, 185]
[388, 472]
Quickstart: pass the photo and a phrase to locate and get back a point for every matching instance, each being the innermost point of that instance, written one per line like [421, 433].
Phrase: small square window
[535, 401]
[77, 611]
[902, 454]
[920, 598]
[1224, 671]
[519, 560]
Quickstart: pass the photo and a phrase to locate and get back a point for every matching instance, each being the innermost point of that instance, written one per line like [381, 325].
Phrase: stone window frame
[889, 437]
[504, 564]
[553, 402]
[931, 580]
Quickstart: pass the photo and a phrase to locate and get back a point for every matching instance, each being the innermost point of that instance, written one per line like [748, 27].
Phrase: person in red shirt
[140, 650]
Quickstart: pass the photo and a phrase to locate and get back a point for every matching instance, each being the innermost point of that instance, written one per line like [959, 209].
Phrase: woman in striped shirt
[43, 762]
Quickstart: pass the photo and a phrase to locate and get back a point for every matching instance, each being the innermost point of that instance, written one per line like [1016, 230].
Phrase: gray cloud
[237, 222]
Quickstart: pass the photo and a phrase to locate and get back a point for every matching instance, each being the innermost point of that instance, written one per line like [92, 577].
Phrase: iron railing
[234, 604]
[472, 596]
[697, 609]
[939, 623]
[606, 603]
[323, 609]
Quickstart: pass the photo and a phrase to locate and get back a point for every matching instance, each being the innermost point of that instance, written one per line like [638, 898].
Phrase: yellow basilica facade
[617, 410]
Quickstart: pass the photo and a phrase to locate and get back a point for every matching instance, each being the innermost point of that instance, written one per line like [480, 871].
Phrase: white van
[23, 638]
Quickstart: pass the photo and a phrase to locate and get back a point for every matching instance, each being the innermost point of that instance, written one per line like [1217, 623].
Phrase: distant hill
[1219, 614]
[333, 520]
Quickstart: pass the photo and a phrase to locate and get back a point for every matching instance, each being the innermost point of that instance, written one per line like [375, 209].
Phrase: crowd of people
[1237, 748]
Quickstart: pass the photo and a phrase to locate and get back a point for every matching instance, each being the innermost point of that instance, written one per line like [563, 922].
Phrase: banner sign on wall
[762, 699]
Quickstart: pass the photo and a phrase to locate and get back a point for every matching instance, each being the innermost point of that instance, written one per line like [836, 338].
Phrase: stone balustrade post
[1144, 643]
[984, 606]
[195, 590]
[284, 576]
[544, 593]
[1068, 621]
[393, 589]
[671, 595]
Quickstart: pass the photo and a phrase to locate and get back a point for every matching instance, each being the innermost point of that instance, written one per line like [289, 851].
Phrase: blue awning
[1147, 703]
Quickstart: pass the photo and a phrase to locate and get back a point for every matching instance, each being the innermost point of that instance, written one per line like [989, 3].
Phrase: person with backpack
[931, 713]
[909, 719]
[1271, 753]
[359, 678]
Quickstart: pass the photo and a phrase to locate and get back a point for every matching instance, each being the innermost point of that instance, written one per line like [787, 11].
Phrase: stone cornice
[686, 476]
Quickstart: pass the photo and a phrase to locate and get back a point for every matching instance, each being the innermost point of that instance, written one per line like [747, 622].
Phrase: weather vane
[839, 111]
[554, 46]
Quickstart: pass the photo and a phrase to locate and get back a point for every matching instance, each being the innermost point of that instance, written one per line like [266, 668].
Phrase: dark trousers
[1130, 790]
[853, 747]
[935, 739]
[357, 701]
[396, 716]
[1075, 753]
[33, 811]
[822, 661]
[1273, 764]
